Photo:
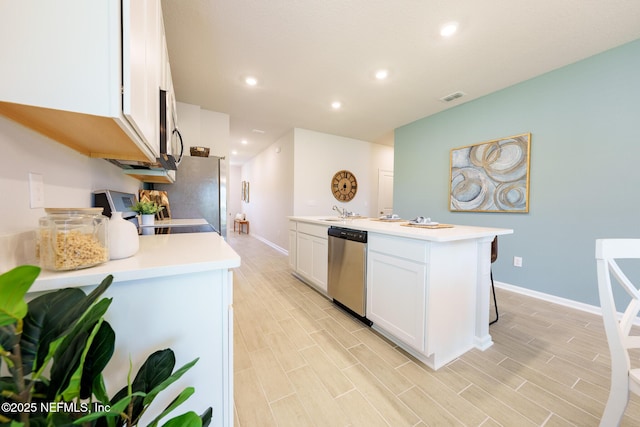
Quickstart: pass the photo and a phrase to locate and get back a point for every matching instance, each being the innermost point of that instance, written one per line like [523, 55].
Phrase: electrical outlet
[36, 190]
[517, 261]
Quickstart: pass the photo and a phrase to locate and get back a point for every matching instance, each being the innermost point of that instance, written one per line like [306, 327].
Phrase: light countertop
[159, 255]
[396, 228]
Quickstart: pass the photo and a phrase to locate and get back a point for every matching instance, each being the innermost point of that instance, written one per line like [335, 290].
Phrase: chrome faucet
[344, 213]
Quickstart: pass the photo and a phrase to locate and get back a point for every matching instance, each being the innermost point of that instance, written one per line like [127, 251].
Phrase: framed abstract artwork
[491, 176]
[245, 191]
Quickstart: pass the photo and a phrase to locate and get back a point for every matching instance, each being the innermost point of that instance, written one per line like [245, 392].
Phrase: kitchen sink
[338, 219]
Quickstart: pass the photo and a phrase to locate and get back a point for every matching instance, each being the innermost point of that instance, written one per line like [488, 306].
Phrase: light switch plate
[36, 190]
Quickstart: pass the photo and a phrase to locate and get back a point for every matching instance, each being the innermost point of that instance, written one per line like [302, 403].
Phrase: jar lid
[74, 211]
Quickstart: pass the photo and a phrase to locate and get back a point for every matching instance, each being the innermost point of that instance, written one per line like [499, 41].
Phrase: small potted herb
[147, 210]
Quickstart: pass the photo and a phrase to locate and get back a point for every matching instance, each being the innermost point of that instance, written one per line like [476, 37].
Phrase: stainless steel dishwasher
[347, 278]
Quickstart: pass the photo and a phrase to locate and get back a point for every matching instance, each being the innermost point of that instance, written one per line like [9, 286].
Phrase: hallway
[300, 361]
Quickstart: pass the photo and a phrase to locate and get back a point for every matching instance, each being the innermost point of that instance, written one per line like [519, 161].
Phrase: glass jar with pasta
[71, 239]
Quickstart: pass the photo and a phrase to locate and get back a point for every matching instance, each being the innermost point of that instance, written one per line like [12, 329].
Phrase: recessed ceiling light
[382, 74]
[336, 105]
[244, 142]
[449, 29]
[251, 81]
[234, 152]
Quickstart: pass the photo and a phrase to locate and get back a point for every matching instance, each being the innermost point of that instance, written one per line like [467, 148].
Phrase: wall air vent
[452, 96]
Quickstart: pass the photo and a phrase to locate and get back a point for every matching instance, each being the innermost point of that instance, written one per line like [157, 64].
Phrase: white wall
[215, 133]
[297, 180]
[69, 180]
[318, 156]
[189, 125]
[270, 176]
[203, 128]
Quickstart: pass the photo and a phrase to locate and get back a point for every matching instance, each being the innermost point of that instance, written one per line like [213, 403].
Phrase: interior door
[385, 192]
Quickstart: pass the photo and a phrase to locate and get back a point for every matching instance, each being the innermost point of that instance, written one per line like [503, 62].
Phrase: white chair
[623, 377]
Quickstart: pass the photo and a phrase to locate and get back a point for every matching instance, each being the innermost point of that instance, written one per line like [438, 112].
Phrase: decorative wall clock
[344, 185]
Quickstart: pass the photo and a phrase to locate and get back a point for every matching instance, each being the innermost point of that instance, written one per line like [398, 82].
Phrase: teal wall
[584, 121]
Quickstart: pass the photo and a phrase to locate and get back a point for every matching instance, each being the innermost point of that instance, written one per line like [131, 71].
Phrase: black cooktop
[204, 228]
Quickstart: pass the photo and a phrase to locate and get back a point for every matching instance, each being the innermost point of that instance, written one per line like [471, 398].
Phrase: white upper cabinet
[142, 67]
[85, 73]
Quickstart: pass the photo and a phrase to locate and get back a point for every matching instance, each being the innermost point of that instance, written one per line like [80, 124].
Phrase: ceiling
[308, 53]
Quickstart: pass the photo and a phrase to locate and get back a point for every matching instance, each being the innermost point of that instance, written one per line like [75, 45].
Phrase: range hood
[165, 162]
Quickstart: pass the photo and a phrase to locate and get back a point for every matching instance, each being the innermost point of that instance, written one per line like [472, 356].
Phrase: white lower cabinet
[312, 254]
[396, 292]
[293, 236]
[397, 287]
[419, 296]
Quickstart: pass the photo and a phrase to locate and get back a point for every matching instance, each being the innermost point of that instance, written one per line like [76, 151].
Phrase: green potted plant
[147, 210]
[55, 348]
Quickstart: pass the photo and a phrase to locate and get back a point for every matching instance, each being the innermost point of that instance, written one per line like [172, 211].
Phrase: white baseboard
[269, 243]
[550, 298]
[593, 309]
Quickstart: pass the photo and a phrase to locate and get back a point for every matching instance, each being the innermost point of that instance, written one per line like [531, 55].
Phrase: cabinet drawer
[411, 249]
[313, 229]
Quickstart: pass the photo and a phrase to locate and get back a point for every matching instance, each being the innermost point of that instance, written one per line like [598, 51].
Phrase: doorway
[385, 192]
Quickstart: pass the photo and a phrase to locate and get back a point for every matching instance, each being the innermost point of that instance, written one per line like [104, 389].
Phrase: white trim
[269, 243]
[593, 309]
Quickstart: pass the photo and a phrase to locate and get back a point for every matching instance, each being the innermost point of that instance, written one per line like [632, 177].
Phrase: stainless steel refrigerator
[199, 191]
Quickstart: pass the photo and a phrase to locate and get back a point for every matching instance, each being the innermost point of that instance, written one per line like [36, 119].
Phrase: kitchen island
[428, 290]
[176, 292]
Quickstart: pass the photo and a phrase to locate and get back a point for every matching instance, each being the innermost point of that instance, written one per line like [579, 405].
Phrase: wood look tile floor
[300, 361]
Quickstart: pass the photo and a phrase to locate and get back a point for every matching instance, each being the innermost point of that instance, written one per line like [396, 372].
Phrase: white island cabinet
[427, 289]
[311, 254]
[397, 287]
[85, 73]
[176, 292]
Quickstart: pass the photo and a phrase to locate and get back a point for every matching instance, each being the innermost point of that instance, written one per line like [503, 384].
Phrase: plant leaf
[155, 370]
[100, 390]
[96, 359]
[50, 316]
[80, 310]
[8, 339]
[152, 373]
[114, 411]
[42, 325]
[189, 419]
[68, 354]
[168, 381]
[14, 285]
[179, 400]
[60, 419]
[206, 417]
[82, 378]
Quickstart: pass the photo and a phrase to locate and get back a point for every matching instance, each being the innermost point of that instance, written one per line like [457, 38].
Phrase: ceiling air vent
[452, 96]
